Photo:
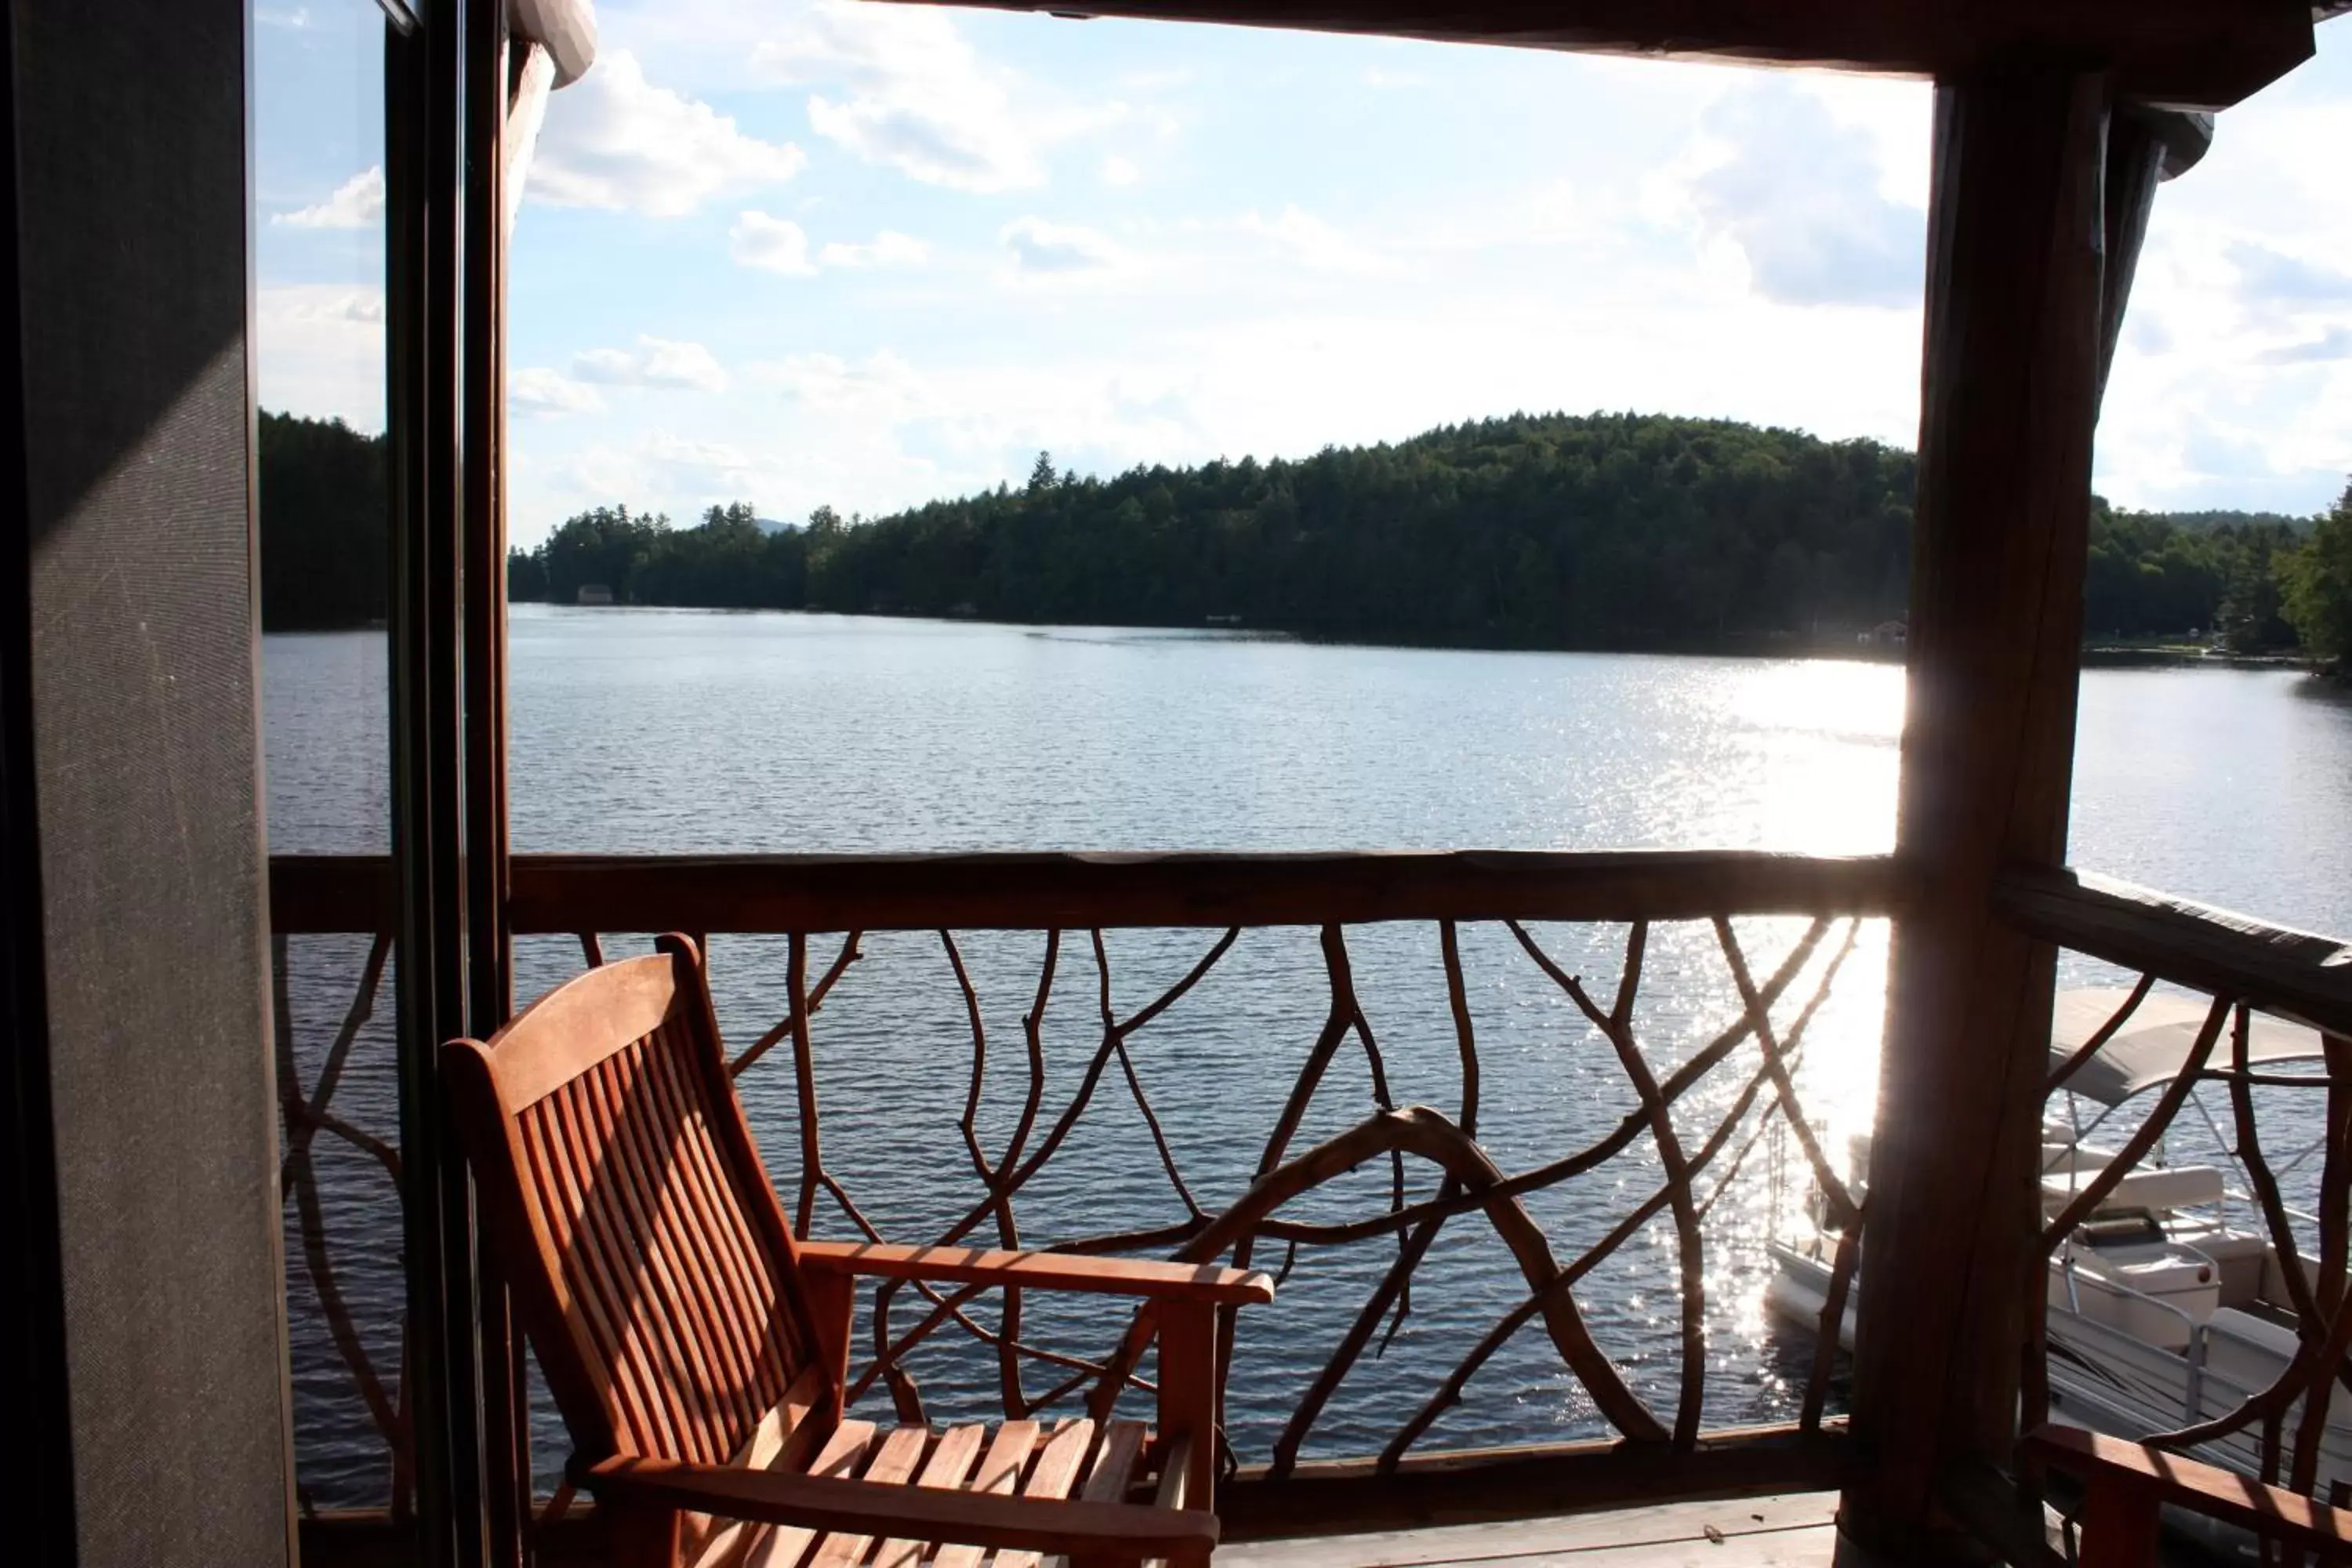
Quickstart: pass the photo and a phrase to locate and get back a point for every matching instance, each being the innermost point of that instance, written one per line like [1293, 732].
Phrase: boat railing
[1323, 1169]
[2237, 966]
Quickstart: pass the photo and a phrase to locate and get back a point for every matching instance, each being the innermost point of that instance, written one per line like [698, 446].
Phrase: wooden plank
[894, 1465]
[2298, 974]
[1042, 1270]
[783, 1545]
[1115, 1462]
[1052, 1476]
[1717, 1528]
[2185, 54]
[2117, 1470]
[999, 1475]
[1792, 1531]
[2009, 406]
[1326, 1497]
[571, 893]
[951, 1461]
[974, 1518]
[1189, 1407]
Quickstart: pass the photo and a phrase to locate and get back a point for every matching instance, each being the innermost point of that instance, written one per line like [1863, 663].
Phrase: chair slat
[728, 1353]
[893, 1465]
[771, 1447]
[950, 1462]
[603, 1268]
[745, 1284]
[548, 1149]
[1056, 1471]
[1174, 1468]
[999, 1471]
[784, 1545]
[642, 1158]
[1116, 1462]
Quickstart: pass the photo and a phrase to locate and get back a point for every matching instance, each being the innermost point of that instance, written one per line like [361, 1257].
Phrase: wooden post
[2012, 365]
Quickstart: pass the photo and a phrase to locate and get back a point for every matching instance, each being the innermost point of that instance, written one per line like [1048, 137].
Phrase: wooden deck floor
[1788, 1531]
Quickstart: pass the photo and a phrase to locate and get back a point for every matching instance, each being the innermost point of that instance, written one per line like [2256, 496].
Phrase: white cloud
[2239, 399]
[2269, 277]
[884, 389]
[773, 244]
[1801, 194]
[357, 203]
[770, 243]
[1118, 171]
[542, 394]
[1309, 240]
[1039, 246]
[909, 92]
[2335, 343]
[319, 349]
[613, 139]
[656, 362]
[887, 248]
[294, 18]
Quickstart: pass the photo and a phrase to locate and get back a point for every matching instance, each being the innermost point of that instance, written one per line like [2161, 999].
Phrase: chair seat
[1016, 1458]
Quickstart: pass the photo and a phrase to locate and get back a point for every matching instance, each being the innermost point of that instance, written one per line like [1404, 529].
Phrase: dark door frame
[445, 99]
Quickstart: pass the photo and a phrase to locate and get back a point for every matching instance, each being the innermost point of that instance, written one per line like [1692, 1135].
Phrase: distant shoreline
[2095, 655]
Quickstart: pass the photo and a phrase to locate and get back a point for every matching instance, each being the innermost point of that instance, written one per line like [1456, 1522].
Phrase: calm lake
[647, 730]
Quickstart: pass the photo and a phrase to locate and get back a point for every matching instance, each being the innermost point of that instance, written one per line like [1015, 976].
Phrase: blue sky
[863, 255]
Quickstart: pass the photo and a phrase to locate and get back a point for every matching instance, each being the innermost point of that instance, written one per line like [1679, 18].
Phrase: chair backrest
[630, 1214]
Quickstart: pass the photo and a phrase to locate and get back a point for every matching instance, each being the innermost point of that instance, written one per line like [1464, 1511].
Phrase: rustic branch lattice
[1694, 1167]
[2319, 1288]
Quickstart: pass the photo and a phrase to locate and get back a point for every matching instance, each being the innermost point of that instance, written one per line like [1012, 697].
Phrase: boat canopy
[2155, 1043]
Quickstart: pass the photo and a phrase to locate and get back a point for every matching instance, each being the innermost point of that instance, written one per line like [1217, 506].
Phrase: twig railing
[1694, 1121]
[2236, 966]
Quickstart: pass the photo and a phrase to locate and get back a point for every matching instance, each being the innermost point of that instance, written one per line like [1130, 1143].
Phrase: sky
[860, 255]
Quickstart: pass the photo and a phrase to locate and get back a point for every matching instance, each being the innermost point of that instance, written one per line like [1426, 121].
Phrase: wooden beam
[1330, 1497]
[566, 893]
[2295, 973]
[2011, 370]
[2174, 53]
[2138, 149]
[2134, 1482]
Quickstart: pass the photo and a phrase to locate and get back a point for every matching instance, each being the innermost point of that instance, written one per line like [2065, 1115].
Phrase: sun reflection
[1817, 746]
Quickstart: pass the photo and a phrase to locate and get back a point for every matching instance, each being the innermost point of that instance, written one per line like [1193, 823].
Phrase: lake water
[682, 731]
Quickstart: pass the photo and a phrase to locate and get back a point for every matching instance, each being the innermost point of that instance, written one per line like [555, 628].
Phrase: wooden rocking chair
[698, 1351]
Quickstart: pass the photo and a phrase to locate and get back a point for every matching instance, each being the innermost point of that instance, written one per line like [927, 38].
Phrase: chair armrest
[1042, 1270]
[2096, 1459]
[1054, 1526]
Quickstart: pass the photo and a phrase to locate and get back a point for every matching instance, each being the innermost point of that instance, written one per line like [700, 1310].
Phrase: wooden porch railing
[2239, 966]
[1694, 1124]
[1662, 1447]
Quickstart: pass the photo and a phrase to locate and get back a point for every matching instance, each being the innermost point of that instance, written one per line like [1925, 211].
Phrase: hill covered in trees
[325, 536]
[1556, 531]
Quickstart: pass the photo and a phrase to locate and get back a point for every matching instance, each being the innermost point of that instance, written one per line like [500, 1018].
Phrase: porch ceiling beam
[2176, 54]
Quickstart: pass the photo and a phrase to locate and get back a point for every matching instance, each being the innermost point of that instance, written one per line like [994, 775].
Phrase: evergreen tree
[2316, 580]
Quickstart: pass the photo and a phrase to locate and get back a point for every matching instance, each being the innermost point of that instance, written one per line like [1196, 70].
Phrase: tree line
[1555, 530]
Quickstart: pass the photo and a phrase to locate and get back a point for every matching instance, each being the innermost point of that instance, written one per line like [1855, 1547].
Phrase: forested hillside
[325, 538]
[1554, 530]
[1599, 531]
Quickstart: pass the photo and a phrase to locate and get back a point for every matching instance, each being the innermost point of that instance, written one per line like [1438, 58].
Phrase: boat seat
[2277, 1339]
[2156, 1190]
